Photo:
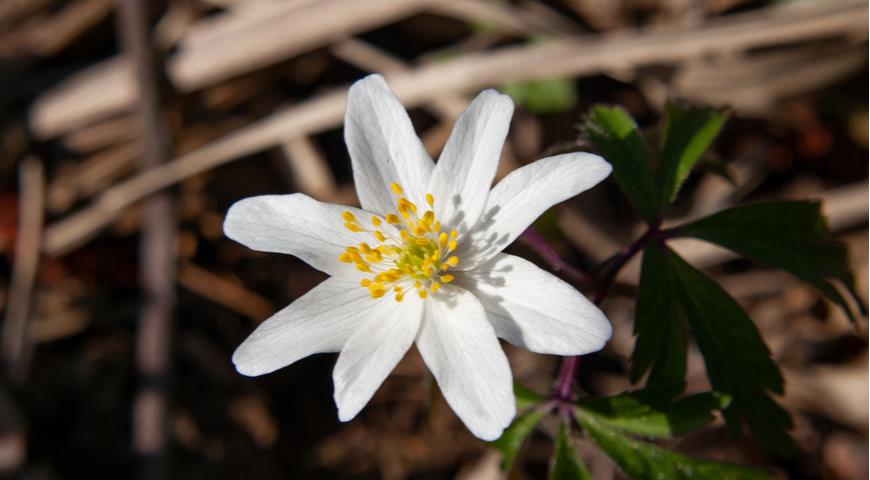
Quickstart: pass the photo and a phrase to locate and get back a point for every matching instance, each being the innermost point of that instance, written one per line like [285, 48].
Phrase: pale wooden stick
[16, 345]
[105, 89]
[157, 252]
[109, 87]
[224, 292]
[559, 58]
[311, 174]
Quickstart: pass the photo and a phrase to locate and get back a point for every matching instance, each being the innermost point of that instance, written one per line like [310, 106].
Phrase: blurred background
[126, 133]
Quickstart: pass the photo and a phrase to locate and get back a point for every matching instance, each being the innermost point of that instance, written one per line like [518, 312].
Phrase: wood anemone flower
[421, 262]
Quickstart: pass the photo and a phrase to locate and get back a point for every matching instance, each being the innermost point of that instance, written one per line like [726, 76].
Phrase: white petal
[523, 195]
[460, 348]
[383, 146]
[320, 321]
[373, 351]
[298, 225]
[464, 172]
[533, 309]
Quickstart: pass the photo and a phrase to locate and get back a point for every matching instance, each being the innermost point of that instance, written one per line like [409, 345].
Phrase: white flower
[421, 263]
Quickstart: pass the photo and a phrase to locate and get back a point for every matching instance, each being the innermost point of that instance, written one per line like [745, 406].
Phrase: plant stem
[539, 244]
[606, 274]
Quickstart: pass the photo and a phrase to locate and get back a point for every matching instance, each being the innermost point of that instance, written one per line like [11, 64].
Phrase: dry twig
[16, 344]
[156, 252]
[577, 56]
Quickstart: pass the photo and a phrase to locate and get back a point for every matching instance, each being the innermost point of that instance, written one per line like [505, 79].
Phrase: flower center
[417, 259]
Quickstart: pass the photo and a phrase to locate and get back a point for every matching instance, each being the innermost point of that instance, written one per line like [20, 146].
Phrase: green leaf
[646, 413]
[525, 397]
[737, 360]
[547, 95]
[615, 136]
[566, 463]
[645, 460]
[689, 130]
[792, 236]
[659, 325]
[513, 437]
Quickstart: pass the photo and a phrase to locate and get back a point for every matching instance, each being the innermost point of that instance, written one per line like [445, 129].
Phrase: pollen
[416, 259]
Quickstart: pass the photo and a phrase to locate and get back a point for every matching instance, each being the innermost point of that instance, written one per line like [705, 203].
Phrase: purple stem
[603, 281]
[558, 264]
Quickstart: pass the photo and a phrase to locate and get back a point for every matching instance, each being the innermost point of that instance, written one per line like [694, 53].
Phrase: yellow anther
[404, 205]
[416, 256]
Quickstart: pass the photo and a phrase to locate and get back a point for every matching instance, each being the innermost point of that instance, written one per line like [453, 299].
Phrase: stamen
[419, 254]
